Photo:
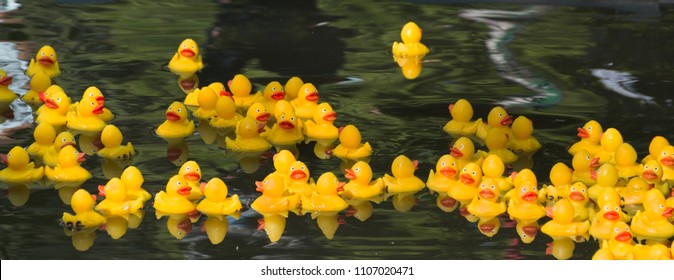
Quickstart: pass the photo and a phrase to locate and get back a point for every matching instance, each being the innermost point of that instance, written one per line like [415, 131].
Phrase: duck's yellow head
[446, 166]
[132, 177]
[94, 92]
[44, 133]
[471, 174]
[493, 166]
[82, 201]
[522, 127]
[625, 155]
[207, 98]
[69, 157]
[461, 110]
[188, 48]
[292, 87]
[248, 128]
[308, 93]
[654, 201]
[666, 156]
[324, 113]
[610, 210]
[622, 232]
[583, 162]
[240, 86]
[46, 56]
[578, 192]
[274, 91]
[652, 171]
[89, 106]
[56, 99]
[259, 112]
[299, 171]
[219, 89]
[611, 139]
[225, 107]
[462, 149]
[350, 137]
[115, 190]
[176, 112]
[282, 106]
[283, 160]
[561, 212]
[591, 131]
[561, 175]
[288, 120]
[607, 175]
[525, 176]
[403, 167]
[216, 190]
[411, 33]
[496, 139]
[111, 136]
[488, 189]
[498, 117]
[656, 145]
[16, 159]
[272, 185]
[5, 80]
[190, 171]
[328, 184]
[360, 172]
[40, 81]
[608, 195]
[63, 139]
[177, 186]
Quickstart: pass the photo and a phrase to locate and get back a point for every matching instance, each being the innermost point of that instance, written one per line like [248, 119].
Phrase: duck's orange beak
[192, 176]
[582, 133]
[313, 97]
[46, 61]
[487, 228]
[187, 52]
[455, 152]
[51, 104]
[286, 125]
[451, 106]
[81, 157]
[264, 117]
[101, 190]
[98, 110]
[649, 175]
[466, 179]
[349, 174]
[507, 120]
[298, 174]
[530, 230]
[279, 95]
[624, 236]
[340, 186]
[577, 196]
[611, 216]
[487, 194]
[667, 212]
[6, 80]
[593, 174]
[172, 116]
[667, 161]
[332, 116]
[416, 164]
[447, 172]
[93, 196]
[41, 96]
[185, 191]
[549, 212]
[100, 99]
[259, 186]
[225, 93]
[529, 196]
[594, 163]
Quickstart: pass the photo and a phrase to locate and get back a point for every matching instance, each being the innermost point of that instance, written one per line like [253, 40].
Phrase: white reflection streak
[621, 83]
[15, 68]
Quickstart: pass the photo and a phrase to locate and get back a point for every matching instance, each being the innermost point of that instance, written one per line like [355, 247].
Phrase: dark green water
[537, 60]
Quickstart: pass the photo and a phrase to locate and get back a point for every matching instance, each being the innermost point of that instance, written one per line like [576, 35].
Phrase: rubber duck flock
[607, 196]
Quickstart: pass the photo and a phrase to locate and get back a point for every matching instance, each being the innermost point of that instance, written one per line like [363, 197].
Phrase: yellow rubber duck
[322, 128]
[606, 177]
[68, 172]
[494, 168]
[273, 206]
[655, 148]
[174, 200]
[93, 92]
[562, 224]
[84, 119]
[653, 174]
[411, 42]
[19, 171]
[609, 142]
[350, 146]
[625, 162]
[115, 202]
[610, 213]
[466, 188]
[580, 200]
[287, 131]
[44, 135]
[280, 107]
[498, 118]
[522, 142]
[216, 202]
[306, 102]
[666, 159]
[633, 194]
[51, 155]
[292, 87]
[6, 95]
[282, 162]
[620, 244]
[590, 135]
[85, 217]
[524, 206]
[226, 117]
[560, 179]
[192, 98]
[133, 180]
[271, 95]
[45, 61]
[111, 138]
[241, 89]
[177, 125]
[652, 224]
[442, 180]
[361, 190]
[248, 138]
[191, 173]
[652, 252]
[584, 166]
[299, 181]
[463, 150]
[486, 205]
[187, 60]
[261, 115]
[207, 100]
[403, 184]
[324, 204]
[461, 124]
[55, 108]
[497, 141]
[39, 83]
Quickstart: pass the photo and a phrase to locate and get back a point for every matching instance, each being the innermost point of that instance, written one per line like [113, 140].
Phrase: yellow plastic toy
[39, 83]
[620, 245]
[173, 201]
[68, 172]
[133, 179]
[324, 204]
[6, 95]
[55, 108]
[84, 119]
[111, 138]
[609, 142]
[442, 180]
[584, 166]
[350, 146]
[273, 206]
[299, 181]
[522, 142]
[606, 177]
[306, 101]
[51, 155]
[651, 252]
[403, 184]
[524, 206]
[260, 114]
[466, 188]
[248, 139]
[497, 141]
[292, 88]
[610, 213]
[282, 162]
[463, 150]
[177, 126]
[625, 162]
[653, 174]
[580, 200]
[115, 202]
[19, 171]
[191, 172]
[560, 179]
[486, 205]
[321, 128]
[217, 206]
[461, 124]
[498, 118]
[655, 148]
[562, 225]
[589, 135]
[45, 61]
[241, 88]
[44, 135]
[411, 42]
[226, 117]
[85, 217]
[666, 159]
[360, 191]
[93, 92]
[286, 131]
[633, 194]
[652, 224]
[207, 100]
[187, 60]
[271, 95]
